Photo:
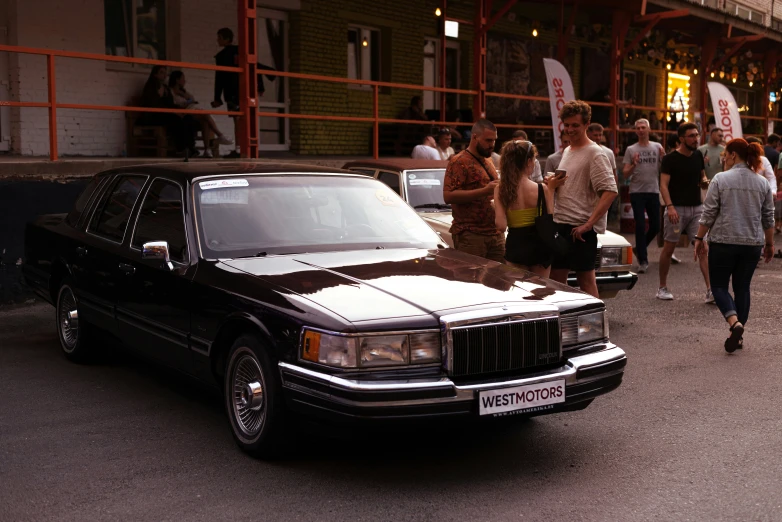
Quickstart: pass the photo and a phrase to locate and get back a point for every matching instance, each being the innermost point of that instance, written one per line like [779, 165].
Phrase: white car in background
[420, 183]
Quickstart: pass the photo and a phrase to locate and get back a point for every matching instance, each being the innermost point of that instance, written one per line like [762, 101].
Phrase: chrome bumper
[609, 283]
[586, 377]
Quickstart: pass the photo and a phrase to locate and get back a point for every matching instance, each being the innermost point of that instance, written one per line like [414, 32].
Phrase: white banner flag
[560, 91]
[726, 112]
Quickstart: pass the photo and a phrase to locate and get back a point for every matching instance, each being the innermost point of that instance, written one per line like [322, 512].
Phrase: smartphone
[561, 173]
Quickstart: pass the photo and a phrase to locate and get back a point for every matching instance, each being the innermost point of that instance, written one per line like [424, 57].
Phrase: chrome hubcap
[248, 403]
[69, 320]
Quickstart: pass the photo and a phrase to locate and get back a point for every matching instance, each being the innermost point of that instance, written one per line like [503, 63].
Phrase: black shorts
[581, 254]
[523, 246]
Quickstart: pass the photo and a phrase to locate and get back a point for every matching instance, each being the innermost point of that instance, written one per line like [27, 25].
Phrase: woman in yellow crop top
[517, 202]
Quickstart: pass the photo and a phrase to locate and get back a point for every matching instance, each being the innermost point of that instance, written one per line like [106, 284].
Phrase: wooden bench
[153, 140]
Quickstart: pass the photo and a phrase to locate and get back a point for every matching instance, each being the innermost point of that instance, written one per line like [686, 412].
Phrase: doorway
[273, 133]
[432, 74]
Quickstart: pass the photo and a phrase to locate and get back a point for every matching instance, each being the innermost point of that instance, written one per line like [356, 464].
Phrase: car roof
[397, 164]
[187, 171]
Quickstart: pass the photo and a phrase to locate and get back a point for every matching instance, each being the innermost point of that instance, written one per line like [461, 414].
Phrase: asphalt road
[692, 434]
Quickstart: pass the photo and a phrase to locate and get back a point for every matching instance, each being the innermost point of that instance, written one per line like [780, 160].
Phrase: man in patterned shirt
[469, 188]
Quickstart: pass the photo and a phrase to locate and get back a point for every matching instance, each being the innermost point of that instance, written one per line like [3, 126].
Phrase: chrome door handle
[81, 251]
[127, 269]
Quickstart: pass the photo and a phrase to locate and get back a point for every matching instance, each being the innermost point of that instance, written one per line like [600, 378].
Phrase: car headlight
[615, 256]
[371, 351]
[584, 328]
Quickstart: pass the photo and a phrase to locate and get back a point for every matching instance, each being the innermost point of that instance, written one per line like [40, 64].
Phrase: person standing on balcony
[683, 174]
[227, 83]
[469, 184]
[642, 166]
[581, 203]
[738, 215]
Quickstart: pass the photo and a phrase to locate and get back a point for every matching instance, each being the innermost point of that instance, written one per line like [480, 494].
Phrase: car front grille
[498, 347]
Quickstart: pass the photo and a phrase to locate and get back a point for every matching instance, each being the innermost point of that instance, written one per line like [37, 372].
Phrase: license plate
[520, 399]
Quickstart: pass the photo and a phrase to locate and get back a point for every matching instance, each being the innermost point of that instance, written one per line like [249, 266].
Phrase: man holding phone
[583, 201]
[683, 174]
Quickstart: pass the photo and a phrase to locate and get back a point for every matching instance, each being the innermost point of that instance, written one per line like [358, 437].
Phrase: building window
[744, 12]
[710, 3]
[363, 54]
[136, 28]
[776, 24]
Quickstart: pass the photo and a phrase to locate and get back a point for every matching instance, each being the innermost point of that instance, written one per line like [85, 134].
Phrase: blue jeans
[739, 262]
[649, 202]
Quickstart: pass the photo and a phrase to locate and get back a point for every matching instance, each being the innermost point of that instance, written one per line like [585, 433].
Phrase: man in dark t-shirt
[468, 187]
[771, 150]
[682, 174]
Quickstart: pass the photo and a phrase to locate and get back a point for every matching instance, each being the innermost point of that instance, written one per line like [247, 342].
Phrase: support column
[479, 60]
[769, 64]
[442, 69]
[708, 52]
[621, 23]
[248, 78]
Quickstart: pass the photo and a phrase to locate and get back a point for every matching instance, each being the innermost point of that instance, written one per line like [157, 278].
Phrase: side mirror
[158, 251]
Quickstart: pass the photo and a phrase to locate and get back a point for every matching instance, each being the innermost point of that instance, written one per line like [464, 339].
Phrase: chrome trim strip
[464, 393]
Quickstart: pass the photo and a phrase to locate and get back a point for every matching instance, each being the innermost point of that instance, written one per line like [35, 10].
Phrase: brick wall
[78, 25]
[321, 48]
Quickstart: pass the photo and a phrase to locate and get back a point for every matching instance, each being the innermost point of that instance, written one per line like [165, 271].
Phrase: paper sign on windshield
[430, 182]
[223, 183]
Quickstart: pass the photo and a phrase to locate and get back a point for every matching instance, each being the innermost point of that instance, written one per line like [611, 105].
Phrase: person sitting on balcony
[415, 111]
[427, 150]
[182, 98]
[157, 94]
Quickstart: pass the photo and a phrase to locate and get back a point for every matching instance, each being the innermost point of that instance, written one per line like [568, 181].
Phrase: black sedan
[313, 290]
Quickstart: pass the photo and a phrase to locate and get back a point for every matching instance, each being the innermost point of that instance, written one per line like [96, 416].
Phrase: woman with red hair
[738, 215]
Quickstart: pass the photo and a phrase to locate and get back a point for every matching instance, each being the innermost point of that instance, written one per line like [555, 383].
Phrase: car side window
[391, 179]
[111, 216]
[161, 219]
[81, 202]
[366, 172]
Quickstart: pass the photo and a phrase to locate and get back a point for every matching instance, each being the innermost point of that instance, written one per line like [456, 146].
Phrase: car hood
[383, 284]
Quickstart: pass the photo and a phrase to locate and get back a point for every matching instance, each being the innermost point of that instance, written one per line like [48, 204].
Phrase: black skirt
[523, 246]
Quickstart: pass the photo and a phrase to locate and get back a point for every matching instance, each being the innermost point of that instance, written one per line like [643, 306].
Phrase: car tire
[74, 333]
[253, 399]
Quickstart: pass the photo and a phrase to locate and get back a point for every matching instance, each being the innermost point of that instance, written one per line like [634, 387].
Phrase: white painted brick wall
[78, 25]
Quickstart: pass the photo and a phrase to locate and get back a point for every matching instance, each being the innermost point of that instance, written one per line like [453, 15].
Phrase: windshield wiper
[433, 205]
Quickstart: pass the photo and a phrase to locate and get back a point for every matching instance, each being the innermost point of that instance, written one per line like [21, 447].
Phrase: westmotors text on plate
[521, 397]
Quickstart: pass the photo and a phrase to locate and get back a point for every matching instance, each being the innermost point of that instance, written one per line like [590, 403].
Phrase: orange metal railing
[52, 104]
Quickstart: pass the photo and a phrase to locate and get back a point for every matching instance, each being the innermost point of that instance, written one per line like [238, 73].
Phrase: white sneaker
[709, 297]
[675, 260]
[643, 267]
[664, 294]
[222, 140]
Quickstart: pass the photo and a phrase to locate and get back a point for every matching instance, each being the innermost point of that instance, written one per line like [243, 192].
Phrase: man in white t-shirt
[583, 201]
[427, 150]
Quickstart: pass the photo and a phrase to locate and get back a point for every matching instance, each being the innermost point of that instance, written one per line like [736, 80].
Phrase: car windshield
[291, 214]
[424, 189]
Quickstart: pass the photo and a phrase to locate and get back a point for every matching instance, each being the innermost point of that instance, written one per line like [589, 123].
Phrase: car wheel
[73, 333]
[253, 396]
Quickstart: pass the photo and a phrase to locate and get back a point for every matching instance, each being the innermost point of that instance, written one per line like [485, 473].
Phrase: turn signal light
[311, 350]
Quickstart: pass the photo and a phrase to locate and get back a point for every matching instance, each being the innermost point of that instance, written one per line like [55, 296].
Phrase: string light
[734, 80]
[364, 42]
[535, 33]
[695, 71]
[712, 74]
[668, 66]
[750, 84]
[437, 12]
